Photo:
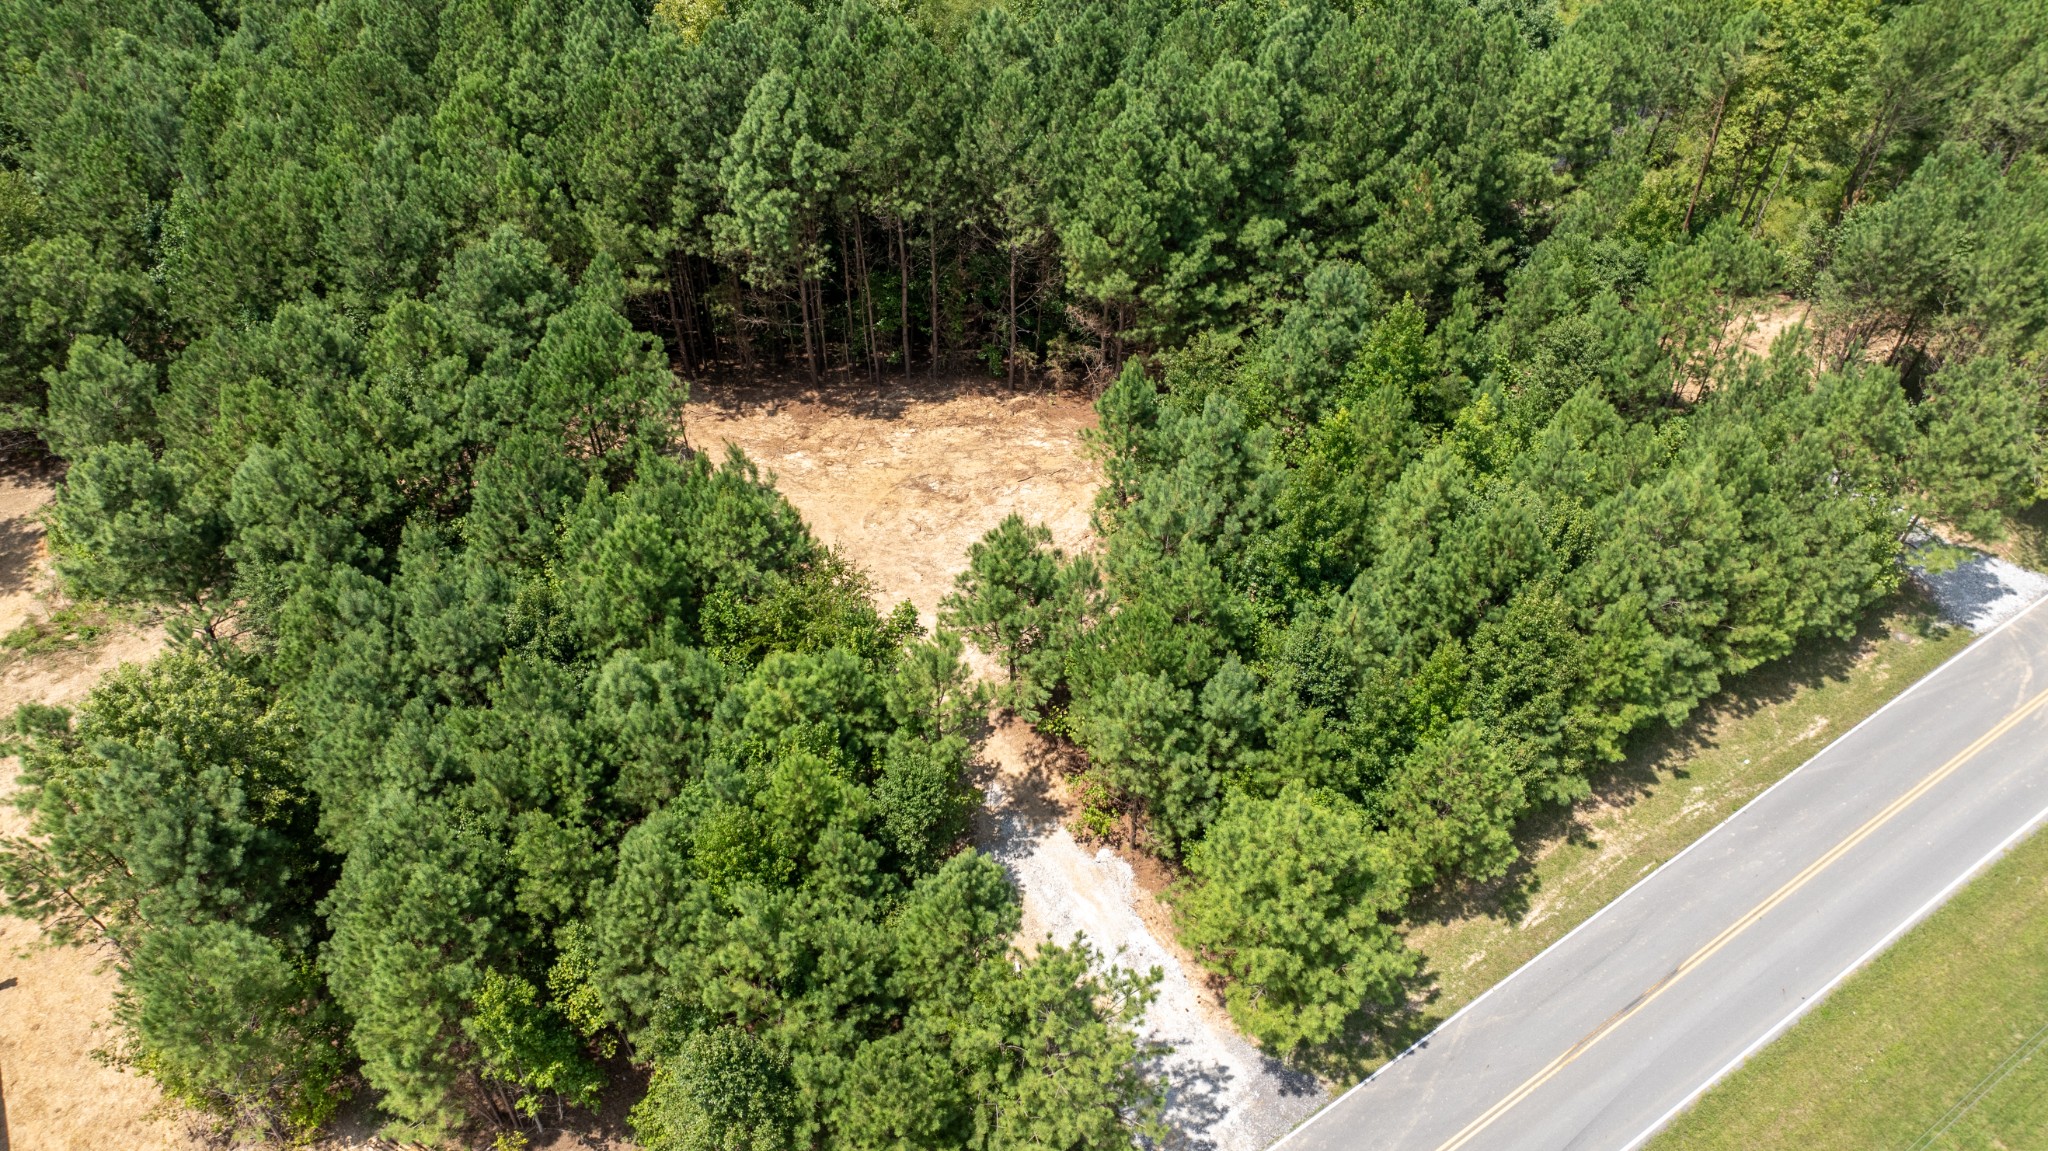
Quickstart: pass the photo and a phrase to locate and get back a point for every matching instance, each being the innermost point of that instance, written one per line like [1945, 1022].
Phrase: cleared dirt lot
[902, 478]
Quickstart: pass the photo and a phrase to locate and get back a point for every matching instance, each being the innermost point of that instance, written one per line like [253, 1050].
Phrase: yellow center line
[1692, 963]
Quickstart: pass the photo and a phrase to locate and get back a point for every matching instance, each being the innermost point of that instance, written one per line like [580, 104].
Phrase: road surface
[1601, 1040]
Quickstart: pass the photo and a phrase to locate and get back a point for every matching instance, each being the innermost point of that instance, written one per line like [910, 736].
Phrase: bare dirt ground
[1772, 318]
[54, 1001]
[902, 480]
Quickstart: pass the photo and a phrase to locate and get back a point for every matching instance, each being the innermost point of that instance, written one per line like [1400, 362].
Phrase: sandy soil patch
[1761, 328]
[903, 478]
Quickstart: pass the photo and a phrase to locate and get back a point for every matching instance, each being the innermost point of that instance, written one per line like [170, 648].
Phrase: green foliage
[174, 796]
[104, 395]
[1286, 896]
[1011, 573]
[129, 527]
[234, 1026]
[170, 823]
[721, 1092]
[524, 1048]
[1021, 600]
[1436, 533]
[1981, 444]
[1451, 806]
[1435, 473]
[923, 809]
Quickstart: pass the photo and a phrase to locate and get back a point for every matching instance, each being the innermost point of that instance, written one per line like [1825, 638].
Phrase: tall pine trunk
[846, 294]
[903, 282]
[740, 339]
[1707, 161]
[1880, 135]
[1763, 177]
[1741, 177]
[867, 297]
[1010, 360]
[692, 337]
[675, 324]
[803, 300]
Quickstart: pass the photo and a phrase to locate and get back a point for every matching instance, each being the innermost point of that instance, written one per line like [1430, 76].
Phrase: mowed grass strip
[1880, 1063]
[1673, 789]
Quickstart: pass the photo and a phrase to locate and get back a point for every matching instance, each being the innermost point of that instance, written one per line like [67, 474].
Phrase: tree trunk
[933, 367]
[1785, 168]
[903, 282]
[1706, 161]
[675, 324]
[1011, 358]
[803, 300]
[818, 322]
[1763, 177]
[867, 297]
[741, 342]
[1865, 156]
[691, 307]
[1741, 177]
[1905, 334]
[846, 293]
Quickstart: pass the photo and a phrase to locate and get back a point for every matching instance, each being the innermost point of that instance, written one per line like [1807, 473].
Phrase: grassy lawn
[1674, 788]
[1933, 1022]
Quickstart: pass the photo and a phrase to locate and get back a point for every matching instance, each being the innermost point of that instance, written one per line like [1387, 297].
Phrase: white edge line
[1980, 641]
[1813, 1000]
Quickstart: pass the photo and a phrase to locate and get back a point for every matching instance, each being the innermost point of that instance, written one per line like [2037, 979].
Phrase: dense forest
[508, 747]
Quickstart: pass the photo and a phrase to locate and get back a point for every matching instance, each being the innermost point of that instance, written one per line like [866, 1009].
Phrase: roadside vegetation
[1667, 793]
[510, 752]
[1936, 1046]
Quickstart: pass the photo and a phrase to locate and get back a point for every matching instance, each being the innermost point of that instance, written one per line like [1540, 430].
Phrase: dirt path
[903, 480]
[1224, 1095]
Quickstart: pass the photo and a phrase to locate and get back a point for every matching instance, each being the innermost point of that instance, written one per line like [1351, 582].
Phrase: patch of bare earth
[902, 479]
[1761, 328]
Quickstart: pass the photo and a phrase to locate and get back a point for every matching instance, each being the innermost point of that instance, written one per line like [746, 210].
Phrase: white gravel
[1983, 591]
[1225, 1095]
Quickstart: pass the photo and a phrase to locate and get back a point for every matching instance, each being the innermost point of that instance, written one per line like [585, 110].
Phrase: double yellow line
[1471, 1130]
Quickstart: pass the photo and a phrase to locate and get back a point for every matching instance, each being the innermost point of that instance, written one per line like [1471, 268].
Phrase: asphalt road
[1601, 1040]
